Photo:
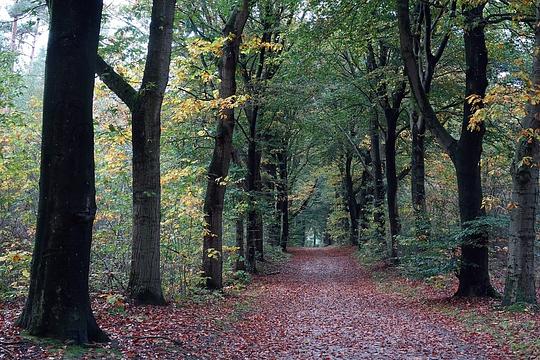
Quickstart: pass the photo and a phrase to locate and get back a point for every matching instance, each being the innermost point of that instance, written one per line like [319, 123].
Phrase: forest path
[323, 305]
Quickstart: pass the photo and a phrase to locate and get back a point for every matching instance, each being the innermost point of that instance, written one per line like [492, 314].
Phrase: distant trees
[145, 106]
[58, 303]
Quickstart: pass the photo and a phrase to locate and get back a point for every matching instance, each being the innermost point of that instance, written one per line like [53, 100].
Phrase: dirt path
[324, 306]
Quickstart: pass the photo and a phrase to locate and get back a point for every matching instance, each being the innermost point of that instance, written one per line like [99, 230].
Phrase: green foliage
[15, 274]
[428, 257]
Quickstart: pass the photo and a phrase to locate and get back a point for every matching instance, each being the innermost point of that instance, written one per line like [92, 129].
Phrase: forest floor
[321, 305]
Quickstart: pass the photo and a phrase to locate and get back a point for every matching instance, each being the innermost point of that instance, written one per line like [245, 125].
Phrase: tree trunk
[352, 205]
[418, 175]
[58, 303]
[474, 268]
[274, 226]
[303, 233]
[465, 153]
[240, 261]
[392, 184]
[145, 275]
[283, 196]
[14, 32]
[254, 230]
[221, 157]
[474, 275]
[520, 279]
[378, 183]
[145, 105]
[364, 197]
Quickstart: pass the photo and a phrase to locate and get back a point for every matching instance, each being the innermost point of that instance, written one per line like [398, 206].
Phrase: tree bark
[240, 261]
[392, 184]
[283, 196]
[274, 227]
[255, 244]
[58, 303]
[221, 158]
[418, 175]
[474, 270]
[390, 101]
[378, 183]
[145, 276]
[352, 204]
[465, 153]
[520, 279]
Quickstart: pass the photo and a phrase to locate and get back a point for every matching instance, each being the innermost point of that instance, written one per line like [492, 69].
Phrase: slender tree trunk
[418, 175]
[352, 204]
[303, 233]
[34, 39]
[58, 303]
[240, 262]
[254, 231]
[274, 226]
[392, 184]
[252, 223]
[221, 157]
[259, 243]
[378, 183]
[365, 194]
[520, 279]
[14, 32]
[283, 196]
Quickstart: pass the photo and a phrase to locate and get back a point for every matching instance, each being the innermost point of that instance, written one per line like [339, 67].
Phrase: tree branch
[116, 83]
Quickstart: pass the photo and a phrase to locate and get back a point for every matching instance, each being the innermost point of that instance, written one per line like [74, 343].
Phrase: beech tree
[466, 152]
[424, 39]
[58, 304]
[520, 279]
[145, 106]
[221, 158]
[389, 100]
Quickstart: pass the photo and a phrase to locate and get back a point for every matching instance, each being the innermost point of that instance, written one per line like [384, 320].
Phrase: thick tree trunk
[221, 157]
[520, 279]
[240, 261]
[392, 184]
[474, 269]
[378, 183]
[145, 275]
[474, 275]
[465, 153]
[58, 303]
[145, 105]
[418, 175]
